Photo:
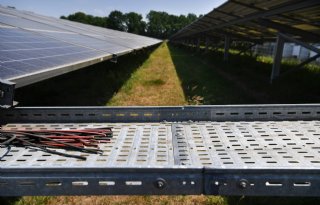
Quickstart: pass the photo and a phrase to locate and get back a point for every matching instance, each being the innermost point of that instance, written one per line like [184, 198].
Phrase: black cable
[51, 151]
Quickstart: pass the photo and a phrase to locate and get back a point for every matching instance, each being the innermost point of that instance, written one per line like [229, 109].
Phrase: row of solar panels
[35, 47]
[258, 20]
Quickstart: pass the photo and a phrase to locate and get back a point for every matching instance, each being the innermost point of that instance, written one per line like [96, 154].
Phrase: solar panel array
[35, 47]
[257, 21]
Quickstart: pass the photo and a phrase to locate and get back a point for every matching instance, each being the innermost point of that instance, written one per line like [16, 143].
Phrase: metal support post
[277, 57]
[300, 66]
[226, 48]
[207, 44]
[6, 94]
[198, 44]
[195, 41]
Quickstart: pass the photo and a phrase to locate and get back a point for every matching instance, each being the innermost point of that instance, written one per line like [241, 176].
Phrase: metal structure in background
[35, 47]
[259, 150]
[259, 21]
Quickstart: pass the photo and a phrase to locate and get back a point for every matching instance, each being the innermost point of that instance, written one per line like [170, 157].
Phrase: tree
[157, 24]
[160, 24]
[134, 23]
[192, 17]
[87, 19]
[78, 17]
[116, 20]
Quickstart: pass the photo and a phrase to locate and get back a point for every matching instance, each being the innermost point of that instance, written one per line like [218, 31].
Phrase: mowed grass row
[154, 83]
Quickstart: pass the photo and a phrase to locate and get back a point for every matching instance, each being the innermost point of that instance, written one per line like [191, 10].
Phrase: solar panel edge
[27, 79]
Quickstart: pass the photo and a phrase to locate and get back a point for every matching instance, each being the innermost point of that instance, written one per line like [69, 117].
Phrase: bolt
[160, 183]
[243, 183]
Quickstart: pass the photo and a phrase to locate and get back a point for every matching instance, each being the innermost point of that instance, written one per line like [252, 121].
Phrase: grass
[117, 200]
[155, 82]
[168, 75]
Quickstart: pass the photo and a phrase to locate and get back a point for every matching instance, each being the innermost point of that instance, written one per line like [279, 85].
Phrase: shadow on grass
[202, 84]
[9, 200]
[91, 86]
[247, 76]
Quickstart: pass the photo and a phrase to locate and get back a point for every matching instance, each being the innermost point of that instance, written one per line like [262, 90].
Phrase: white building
[290, 50]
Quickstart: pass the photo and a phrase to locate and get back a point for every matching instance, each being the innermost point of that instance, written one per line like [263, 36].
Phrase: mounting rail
[253, 150]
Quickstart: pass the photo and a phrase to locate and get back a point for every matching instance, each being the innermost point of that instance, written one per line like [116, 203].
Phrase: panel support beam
[300, 66]
[308, 61]
[306, 45]
[226, 48]
[277, 57]
[288, 29]
[246, 49]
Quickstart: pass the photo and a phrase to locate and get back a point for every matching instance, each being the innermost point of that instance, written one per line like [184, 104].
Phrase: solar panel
[257, 20]
[120, 38]
[27, 52]
[35, 47]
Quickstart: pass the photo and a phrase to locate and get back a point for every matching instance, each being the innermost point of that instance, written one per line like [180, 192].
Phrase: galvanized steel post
[226, 48]
[207, 44]
[277, 57]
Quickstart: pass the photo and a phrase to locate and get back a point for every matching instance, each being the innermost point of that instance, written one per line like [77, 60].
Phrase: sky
[57, 8]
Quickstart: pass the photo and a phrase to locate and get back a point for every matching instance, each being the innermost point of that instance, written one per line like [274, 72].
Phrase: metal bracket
[6, 94]
[114, 58]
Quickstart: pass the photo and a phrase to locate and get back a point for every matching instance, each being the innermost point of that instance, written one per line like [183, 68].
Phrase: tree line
[158, 25]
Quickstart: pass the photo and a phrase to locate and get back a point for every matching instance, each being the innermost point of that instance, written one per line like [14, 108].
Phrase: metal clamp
[6, 94]
[114, 58]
